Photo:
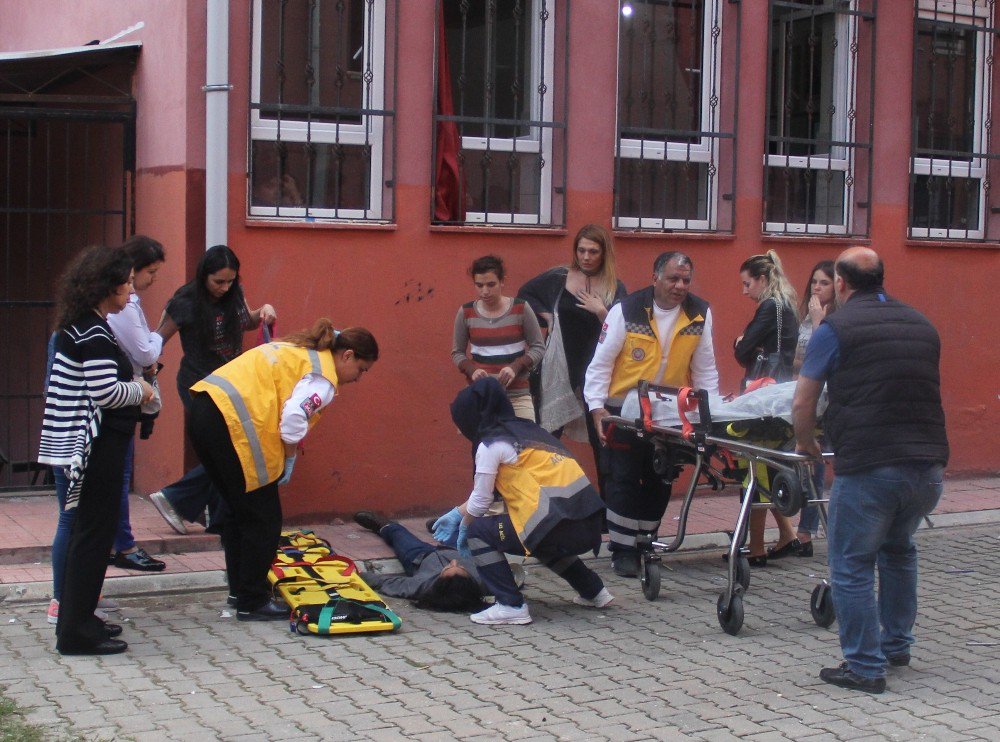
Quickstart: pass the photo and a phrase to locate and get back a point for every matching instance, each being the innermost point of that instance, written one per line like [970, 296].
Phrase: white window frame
[842, 129]
[370, 130]
[704, 151]
[974, 13]
[539, 138]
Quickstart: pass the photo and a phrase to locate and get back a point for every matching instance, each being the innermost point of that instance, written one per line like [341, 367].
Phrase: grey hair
[683, 261]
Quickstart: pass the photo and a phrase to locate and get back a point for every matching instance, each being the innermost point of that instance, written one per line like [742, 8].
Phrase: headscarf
[483, 413]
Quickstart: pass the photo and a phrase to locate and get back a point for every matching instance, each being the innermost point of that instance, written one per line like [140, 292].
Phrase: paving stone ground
[660, 670]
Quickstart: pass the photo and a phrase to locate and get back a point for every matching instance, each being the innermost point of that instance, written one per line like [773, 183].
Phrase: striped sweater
[90, 374]
[513, 339]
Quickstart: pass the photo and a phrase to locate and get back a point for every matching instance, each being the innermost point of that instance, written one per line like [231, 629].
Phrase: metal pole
[216, 89]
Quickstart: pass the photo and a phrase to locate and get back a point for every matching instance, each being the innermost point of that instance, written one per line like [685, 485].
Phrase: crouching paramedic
[553, 511]
[661, 334]
[246, 419]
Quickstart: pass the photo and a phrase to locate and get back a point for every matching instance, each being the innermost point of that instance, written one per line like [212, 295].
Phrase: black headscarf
[483, 414]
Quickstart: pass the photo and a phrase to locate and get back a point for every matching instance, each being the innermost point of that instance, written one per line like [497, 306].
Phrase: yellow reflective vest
[250, 392]
[641, 356]
[543, 488]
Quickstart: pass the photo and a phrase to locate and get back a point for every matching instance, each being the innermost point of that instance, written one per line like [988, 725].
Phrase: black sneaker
[846, 679]
[369, 521]
[625, 563]
[899, 660]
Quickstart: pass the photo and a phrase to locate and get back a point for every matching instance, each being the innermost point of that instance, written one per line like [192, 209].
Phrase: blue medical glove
[289, 466]
[463, 541]
[447, 526]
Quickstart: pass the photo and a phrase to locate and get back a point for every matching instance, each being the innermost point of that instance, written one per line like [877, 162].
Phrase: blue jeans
[809, 517]
[408, 548]
[872, 518]
[124, 540]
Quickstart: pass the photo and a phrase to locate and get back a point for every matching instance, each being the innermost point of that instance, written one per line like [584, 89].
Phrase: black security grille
[322, 138]
[954, 158]
[817, 176]
[677, 109]
[500, 131]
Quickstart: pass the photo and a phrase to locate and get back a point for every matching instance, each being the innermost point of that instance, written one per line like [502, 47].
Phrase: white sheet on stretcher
[774, 401]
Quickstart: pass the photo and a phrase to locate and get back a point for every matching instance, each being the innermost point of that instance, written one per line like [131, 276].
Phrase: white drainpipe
[217, 89]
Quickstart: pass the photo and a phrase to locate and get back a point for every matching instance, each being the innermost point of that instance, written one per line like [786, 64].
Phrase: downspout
[217, 89]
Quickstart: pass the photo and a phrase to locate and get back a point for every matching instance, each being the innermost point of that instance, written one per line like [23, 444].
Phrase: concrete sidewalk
[195, 561]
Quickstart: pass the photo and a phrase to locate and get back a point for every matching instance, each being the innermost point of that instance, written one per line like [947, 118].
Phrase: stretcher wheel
[649, 577]
[302, 628]
[661, 461]
[821, 605]
[786, 494]
[731, 618]
[743, 572]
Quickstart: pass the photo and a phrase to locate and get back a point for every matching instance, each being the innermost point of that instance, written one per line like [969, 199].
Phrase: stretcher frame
[791, 489]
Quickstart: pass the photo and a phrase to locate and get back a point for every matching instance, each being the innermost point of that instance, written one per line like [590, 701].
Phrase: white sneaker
[165, 509]
[52, 615]
[602, 600]
[498, 614]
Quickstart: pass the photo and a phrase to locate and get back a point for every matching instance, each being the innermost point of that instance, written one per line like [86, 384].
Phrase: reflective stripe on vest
[256, 450]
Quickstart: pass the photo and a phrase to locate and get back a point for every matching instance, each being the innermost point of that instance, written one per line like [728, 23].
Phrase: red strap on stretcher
[349, 569]
[758, 384]
[686, 402]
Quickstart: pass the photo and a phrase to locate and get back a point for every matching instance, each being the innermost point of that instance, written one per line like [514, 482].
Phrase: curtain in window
[449, 186]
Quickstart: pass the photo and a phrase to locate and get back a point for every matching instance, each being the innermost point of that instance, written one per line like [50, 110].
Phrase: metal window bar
[342, 151]
[677, 115]
[953, 156]
[818, 164]
[507, 127]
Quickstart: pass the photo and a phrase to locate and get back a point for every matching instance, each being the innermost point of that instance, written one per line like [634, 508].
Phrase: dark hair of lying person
[452, 593]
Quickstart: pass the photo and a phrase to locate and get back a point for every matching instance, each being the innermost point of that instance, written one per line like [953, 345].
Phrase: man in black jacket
[880, 361]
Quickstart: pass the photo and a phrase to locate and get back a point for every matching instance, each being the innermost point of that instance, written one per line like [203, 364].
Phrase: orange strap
[758, 384]
[687, 401]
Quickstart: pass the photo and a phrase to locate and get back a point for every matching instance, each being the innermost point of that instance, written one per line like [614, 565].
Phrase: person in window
[246, 420]
[498, 336]
[577, 297]
[552, 510]
[211, 316]
[91, 410]
[765, 283]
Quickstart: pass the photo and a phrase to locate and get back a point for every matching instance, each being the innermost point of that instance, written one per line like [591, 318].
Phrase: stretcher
[324, 591]
[744, 439]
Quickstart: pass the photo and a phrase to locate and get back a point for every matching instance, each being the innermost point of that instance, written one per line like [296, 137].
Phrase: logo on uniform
[604, 333]
[638, 354]
[311, 405]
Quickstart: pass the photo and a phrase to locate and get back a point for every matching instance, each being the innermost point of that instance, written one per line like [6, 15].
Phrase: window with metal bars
[321, 118]
[953, 155]
[676, 115]
[499, 150]
[817, 168]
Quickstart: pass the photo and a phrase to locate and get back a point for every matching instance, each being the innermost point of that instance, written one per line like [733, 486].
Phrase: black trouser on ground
[90, 541]
[250, 535]
[637, 496]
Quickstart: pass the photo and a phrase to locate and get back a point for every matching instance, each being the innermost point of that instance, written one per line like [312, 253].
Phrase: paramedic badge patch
[604, 333]
[311, 405]
[638, 354]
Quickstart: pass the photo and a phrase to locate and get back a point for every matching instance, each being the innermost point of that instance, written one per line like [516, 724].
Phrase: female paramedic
[553, 511]
[246, 419]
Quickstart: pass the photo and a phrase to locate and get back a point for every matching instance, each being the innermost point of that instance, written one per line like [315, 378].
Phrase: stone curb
[184, 582]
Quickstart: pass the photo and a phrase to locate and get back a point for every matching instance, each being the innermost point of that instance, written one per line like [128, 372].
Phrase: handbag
[771, 365]
[559, 404]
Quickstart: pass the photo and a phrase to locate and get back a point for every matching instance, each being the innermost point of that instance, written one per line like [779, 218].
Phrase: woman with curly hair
[91, 410]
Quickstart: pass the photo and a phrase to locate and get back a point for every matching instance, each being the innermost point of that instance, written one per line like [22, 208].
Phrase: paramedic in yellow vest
[552, 511]
[661, 334]
[246, 420]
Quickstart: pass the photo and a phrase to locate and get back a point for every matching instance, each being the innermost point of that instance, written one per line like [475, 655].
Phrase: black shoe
[111, 630]
[846, 679]
[757, 561]
[899, 660]
[625, 563]
[231, 600]
[792, 547]
[369, 521]
[806, 550]
[107, 646]
[270, 611]
[138, 560]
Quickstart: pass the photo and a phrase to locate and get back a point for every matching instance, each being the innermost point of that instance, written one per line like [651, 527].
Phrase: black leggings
[250, 534]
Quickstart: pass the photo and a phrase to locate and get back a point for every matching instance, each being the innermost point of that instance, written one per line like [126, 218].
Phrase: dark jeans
[93, 533]
[250, 534]
[492, 536]
[408, 548]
